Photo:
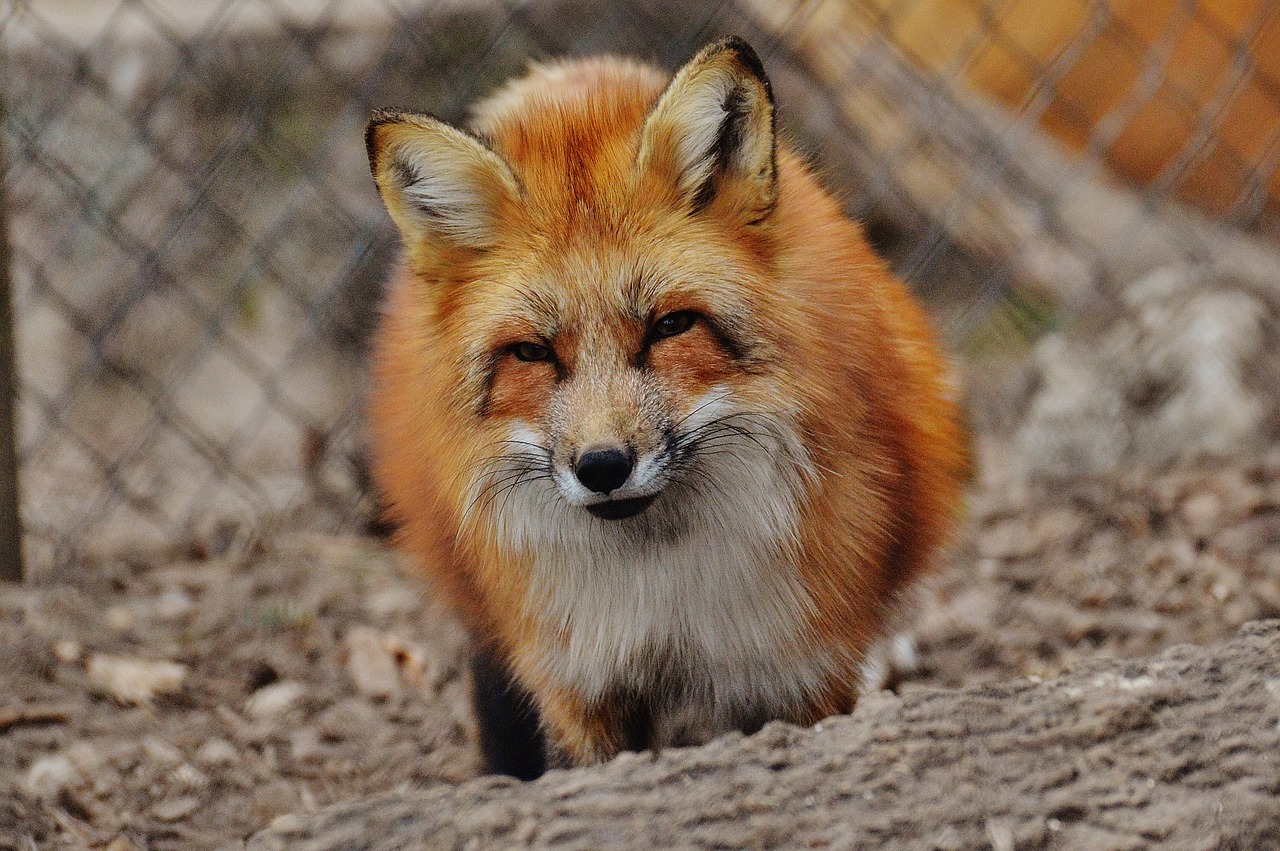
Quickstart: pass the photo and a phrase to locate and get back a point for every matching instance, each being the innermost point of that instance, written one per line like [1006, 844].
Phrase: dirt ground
[313, 671]
[1177, 752]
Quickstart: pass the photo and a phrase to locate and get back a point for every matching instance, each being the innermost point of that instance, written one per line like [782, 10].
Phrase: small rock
[1000, 833]
[348, 719]
[487, 819]
[135, 681]
[174, 809]
[86, 757]
[50, 775]
[189, 777]
[371, 663]
[389, 602]
[217, 752]
[288, 823]
[161, 752]
[68, 650]
[118, 619]
[1202, 512]
[106, 782]
[173, 604]
[274, 700]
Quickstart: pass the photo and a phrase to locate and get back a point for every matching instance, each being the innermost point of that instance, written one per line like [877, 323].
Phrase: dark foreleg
[511, 738]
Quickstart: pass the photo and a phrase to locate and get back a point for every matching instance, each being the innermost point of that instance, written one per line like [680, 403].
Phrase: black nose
[603, 470]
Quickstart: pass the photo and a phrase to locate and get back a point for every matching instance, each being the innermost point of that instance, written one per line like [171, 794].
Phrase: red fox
[648, 410]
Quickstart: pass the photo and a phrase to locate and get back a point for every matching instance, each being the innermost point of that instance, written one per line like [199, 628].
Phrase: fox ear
[712, 132]
[440, 185]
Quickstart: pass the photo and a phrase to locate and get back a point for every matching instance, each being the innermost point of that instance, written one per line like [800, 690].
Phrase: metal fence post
[10, 519]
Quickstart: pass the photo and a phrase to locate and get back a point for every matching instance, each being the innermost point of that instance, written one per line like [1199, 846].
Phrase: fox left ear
[711, 133]
[442, 187]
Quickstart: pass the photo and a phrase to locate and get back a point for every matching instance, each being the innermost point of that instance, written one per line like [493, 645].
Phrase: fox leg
[584, 734]
[511, 738]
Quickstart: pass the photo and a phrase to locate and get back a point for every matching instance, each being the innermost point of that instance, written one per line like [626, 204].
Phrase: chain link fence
[196, 249]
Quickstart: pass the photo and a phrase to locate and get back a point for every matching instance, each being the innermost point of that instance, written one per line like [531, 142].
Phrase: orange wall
[1103, 57]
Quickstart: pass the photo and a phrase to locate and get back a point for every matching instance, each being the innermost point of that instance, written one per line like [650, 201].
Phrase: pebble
[68, 650]
[131, 680]
[287, 823]
[161, 752]
[173, 605]
[122, 843]
[304, 744]
[189, 777]
[49, 775]
[273, 799]
[348, 719]
[118, 619]
[389, 602]
[489, 818]
[274, 700]
[174, 809]
[217, 752]
[1201, 512]
[371, 663]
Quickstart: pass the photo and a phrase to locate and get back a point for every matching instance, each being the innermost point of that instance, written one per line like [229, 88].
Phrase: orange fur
[611, 225]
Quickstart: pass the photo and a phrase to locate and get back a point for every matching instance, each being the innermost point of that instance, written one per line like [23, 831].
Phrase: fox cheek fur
[648, 411]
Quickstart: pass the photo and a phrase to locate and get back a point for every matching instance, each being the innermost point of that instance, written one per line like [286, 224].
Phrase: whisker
[509, 488]
[513, 442]
[726, 429]
[725, 421]
[500, 477]
[693, 439]
[712, 401]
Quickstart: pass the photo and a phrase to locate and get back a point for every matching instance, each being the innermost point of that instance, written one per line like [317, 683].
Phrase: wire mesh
[197, 250]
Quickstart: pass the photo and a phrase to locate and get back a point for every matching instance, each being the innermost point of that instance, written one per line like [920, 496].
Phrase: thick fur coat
[618, 264]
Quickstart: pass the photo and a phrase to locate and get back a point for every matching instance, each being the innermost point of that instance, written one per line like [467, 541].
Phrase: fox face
[603, 306]
[643, 400]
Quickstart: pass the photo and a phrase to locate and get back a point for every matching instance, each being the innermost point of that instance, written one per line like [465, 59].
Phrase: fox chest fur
[648, 411]
[696, 618]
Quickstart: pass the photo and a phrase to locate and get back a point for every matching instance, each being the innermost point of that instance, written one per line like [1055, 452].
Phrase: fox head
[590, 281]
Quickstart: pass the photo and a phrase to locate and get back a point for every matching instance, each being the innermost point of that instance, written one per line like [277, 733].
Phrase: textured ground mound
[1182, 751]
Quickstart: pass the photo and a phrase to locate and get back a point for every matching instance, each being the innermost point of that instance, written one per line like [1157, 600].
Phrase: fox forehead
[570, 131]
[602, 288]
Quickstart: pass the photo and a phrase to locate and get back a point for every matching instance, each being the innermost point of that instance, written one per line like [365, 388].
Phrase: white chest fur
[700, 590]
[719, 613]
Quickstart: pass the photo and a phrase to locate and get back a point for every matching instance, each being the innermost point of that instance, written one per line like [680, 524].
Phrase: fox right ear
[711, 133]
[440, 185]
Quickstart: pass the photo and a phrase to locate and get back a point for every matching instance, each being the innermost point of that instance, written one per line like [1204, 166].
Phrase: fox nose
[603, 470]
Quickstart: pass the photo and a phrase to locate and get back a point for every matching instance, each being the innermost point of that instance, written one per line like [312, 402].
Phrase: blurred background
[1086, 193]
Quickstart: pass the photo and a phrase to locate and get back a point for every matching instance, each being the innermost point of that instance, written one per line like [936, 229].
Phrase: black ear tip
[745, 53]
[369, 130]
[377, 118]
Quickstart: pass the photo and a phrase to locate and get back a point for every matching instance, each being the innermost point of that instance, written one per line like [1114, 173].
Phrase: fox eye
[530, 352]
[674, 324]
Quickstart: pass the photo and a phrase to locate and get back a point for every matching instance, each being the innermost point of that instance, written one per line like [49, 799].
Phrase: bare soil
[283, 706]
[316, 671]
[1175, 752]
